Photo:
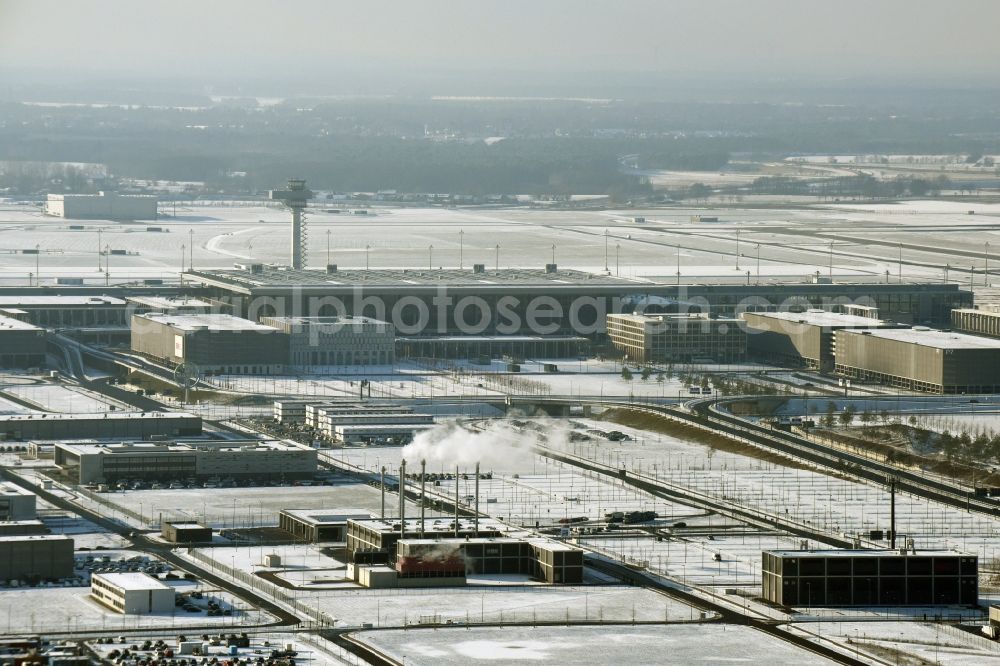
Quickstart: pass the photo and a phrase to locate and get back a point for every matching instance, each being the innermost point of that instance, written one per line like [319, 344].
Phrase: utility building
[16, 503]
[802, 338]
[921, 359]
[869, 578]
[677, 337]
[101, 206]
[212, 343]
[106, 425]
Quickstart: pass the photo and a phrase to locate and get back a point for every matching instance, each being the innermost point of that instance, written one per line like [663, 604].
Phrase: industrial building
[168, 305]
[212, 343]
[869, 578]
[132, 593]
[290, 411]
[549, 301]
[920, 359]
[360, 423]
[318, 525]
[548, 561]
[50, 311]
[16, 503]
[318, 413]
[22, 345]
[677, 337]
[326, 341]
[476, 347]
[374, 541]
[378, 433]
[803, 338]
[977, 321]
[186, 532]
[104, 463]
[104, 425]
[101, 206]
[44, 557]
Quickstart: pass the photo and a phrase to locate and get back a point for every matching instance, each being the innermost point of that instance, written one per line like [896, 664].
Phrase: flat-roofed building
[318, 525]
[22, 527]
[66, 311]
[132, 593]
[920, 359]
[977, 321]
[869, 578]
[677, 337]
[104, 463]
[378, 433]
[803, 338]
[545, 560]
[212, 343]
[173, 305]
[492, 346]
[290, 411]
[22, 345]
[16, 503]
[374, 540]
[336, 341]
[102, 206]
[186, 532]
[105, 425]
[45, 557]
[316, 412]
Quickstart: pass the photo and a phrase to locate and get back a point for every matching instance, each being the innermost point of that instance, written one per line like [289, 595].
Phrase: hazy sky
[724, 38]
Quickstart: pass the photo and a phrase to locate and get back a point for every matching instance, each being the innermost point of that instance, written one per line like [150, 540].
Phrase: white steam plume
[497, 447]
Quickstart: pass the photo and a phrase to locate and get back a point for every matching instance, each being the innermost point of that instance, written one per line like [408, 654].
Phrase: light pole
[553, 253]
[986, 268]
[678, 265]
[606, 270]
[430, 257]
[900, 263]
[107, 265]
[191, 249]
[831, 260]
[367, 248]
[737, 249]
[461, 249]
[327, 247]
[183, 250]
[98, 249]
[618, 251]
[38, 254]
[498, 258]
[758, 263]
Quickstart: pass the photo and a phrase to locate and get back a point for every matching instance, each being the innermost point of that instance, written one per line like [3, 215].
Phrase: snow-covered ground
[675, 644]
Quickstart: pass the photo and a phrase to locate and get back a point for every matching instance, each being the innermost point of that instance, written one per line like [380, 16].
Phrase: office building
[41, 557]
[669, 338]
[920, 359]
[16, 503]
[168, 461]
[803, 338]
[101, 206]
[869, 578]
[335, 341]
[132, 593]
[105, 425]
[22, 345]
[212, 343]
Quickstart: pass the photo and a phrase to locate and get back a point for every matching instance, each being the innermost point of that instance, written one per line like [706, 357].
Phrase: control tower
[297, 198]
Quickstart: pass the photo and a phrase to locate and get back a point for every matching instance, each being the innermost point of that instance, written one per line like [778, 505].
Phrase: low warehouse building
[869, 578]
[105, 463]
[186, 532]
[377, 433]
[317, 525]
[114, 425]
[22, 345]
[326, 341]
[102, 206]
[22, 527]
[67, 311]
[803, 338]
[16, 503]
[920, 359]
[677, 337]
[132, 593]
[212, 343]
[44, 557]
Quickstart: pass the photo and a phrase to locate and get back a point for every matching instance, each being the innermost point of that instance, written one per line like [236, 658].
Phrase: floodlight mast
[296, 197]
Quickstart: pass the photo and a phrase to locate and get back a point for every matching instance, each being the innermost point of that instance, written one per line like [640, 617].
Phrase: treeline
[862, 185]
